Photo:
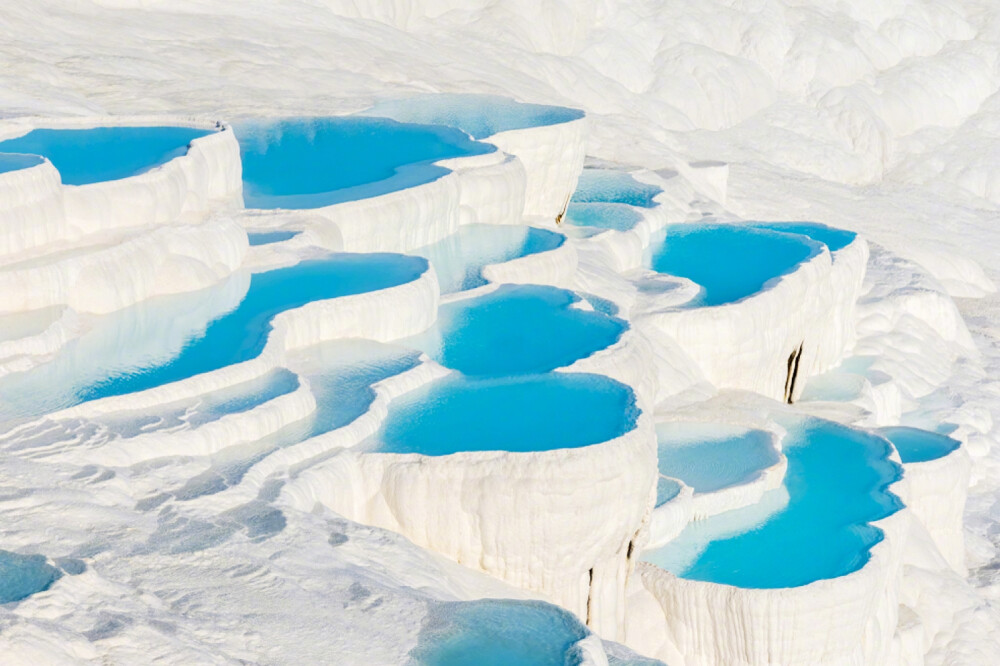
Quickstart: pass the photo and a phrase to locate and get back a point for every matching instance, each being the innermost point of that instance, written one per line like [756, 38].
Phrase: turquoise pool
[710, 457]
[915, 445]
[729, 262]
[460, 258]
[93, 155]
[612, 186]
[313, 162]
[616, 216]
[267, 237]
[24, 575]
[836, 484]
[530, 413]
[835, 239]
[16, 162]
[517, 329]
[481, 116]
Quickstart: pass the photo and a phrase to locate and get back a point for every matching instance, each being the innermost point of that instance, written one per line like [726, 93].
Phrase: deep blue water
[268, 237]
[498, 632]
[518, 329]
[613, 186]
[835, 239]
[84, 156]
[459, 259]
[314, 162]
[24, 575]
[481, 116]
[729, 262]
[531, 413]
[916, 445]
[709, 457]
[15, 161]
[241, 334]
[837, 483]
[617, 216]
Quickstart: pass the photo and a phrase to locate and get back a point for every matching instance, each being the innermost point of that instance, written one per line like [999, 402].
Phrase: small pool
[616, 216]
[613, 187]
[498, 632]
[24, 575]
[517, 329]
[666, 490]
[834, 239]
[313, 162]
[710, 457]
[836, 484]
[534, 413]
[16, 162]
[460, 258]
[915, 445]
[93, 155]
[267, 237]
[729, 262]
[481, 116]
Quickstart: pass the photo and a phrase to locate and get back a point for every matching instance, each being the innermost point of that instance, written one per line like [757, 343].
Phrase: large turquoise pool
[93, 155]
[729, 262]
[710, 457]
[314, 162]
[915, 445]
[531, 413]
[836, 484]
[518, 329]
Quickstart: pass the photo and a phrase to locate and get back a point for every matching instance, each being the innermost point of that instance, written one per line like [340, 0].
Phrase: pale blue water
[517, 329]
[729, 262]
[24, 575]
[459, 259]
[498, 632]
[837, 483]
[916, 445]
[613, 186]
[84, 156]
[481, 116]
[835, 239]
[268, 237]
[532, 413]
[666, 490]
[313, 162]
[711, 457]
[241, 334]
[620, 217]
[15, 161]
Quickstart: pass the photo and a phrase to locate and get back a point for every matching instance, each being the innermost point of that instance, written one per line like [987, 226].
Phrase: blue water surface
[241, 334]
[616, 216]
[837, 483]
[729, 262]
[531, 413]
[498, 632]
[313, 162]
[481, 116]
[835, 239]
[84, 156]
[460, 258]
[915, 445]
[613, 187]
[24, 575]
[15, 161]
[711, 457]
[518, 329]
[666, 490]
[268, 237]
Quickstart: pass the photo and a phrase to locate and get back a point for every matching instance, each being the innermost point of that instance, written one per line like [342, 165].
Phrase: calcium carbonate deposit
[500, 332]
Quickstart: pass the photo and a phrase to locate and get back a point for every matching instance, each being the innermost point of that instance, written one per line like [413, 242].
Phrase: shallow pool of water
[532, 413]
[710, 457]
[836, 484]
[517, 329]
[729, 262]
[24, 575]
[619, 217]
[480, 115]
[498, 632]
[615, 187]
[15, 161]
[666, 490]
[313, 162]
[267, 237]
[835, 239]
[460, 258]
[915, 445]
[93, 155]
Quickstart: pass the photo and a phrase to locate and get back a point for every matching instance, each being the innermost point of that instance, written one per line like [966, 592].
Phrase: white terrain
[805, 470]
